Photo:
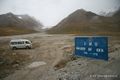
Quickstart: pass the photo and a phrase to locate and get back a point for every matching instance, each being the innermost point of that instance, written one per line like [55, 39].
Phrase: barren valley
[51, 58]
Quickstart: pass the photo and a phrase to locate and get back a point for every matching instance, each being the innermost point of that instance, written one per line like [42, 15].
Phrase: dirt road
[47, 49]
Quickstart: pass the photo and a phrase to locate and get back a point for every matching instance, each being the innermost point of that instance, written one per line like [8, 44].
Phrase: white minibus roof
[15, 40]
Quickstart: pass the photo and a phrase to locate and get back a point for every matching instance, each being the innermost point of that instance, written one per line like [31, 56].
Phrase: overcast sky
[50, 12]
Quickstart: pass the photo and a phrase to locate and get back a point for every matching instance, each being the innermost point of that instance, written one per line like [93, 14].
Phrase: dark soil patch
[10, 61]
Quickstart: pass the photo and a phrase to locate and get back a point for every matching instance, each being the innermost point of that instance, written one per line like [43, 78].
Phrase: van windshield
[27, 42]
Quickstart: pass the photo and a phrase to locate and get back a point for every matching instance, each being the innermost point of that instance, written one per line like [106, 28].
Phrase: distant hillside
[87, 23]
[117, 13]
[11, 24]
[32, 22]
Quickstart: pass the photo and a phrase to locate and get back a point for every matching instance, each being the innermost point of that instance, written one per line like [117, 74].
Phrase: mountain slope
[11, 24]
[32, 22]
[86, 22]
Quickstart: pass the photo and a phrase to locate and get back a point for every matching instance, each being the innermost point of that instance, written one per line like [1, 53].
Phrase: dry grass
[84, 32]
[6, 31]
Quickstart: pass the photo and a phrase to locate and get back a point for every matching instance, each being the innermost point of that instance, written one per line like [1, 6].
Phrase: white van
[20, 43]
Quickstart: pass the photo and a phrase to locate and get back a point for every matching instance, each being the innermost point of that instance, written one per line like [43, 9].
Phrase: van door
[21, 44]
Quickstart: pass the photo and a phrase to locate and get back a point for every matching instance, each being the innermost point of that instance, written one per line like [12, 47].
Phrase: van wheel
[14, 48]
[27, 47]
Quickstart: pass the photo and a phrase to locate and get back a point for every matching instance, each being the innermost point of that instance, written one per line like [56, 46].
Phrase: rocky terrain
[51, 58]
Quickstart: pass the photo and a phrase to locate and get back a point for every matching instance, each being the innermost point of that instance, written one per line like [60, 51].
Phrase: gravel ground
[51, 59]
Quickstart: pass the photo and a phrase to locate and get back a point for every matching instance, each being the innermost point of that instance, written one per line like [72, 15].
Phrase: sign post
[94, 47]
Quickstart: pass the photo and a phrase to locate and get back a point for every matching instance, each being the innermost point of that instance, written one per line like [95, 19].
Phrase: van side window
[21, 42]
[13, 43]
[27, 42]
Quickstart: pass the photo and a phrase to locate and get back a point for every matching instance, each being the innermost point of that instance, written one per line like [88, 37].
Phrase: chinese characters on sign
[95, 47]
